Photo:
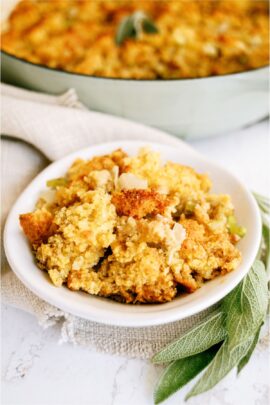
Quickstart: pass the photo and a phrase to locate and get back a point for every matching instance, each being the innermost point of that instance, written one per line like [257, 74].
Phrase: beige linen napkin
[56, 126]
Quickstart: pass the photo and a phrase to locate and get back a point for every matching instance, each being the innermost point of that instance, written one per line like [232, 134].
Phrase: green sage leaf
[125, 30]
[224, 361]
[180, 372]
[266, 251]
[243, 362]
[263, 202]
[204, 335]
[149, 26]
[133, 25]
[266, 235]
[246, 305]
[264, 205]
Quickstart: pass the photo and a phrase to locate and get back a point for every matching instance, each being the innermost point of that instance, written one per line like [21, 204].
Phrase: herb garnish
[225, 339]
[133, 25]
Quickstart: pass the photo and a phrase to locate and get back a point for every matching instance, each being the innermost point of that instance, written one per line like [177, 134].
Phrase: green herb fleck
[133, 25]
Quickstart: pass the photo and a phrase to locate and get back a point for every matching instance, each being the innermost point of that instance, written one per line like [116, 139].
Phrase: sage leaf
[246, 305]
[125, 30]
[180, 372]
[225, 360]
[149, 26]
[200, 338]
[243, 362]
[133, 25]
[264, 205]
[263, 202]
[266, 252]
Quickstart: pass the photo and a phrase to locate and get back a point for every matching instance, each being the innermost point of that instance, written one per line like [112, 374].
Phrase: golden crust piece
[139, 203]
[37, 225]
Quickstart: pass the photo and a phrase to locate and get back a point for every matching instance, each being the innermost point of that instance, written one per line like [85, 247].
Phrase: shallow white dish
[188, 108]
[105, 310]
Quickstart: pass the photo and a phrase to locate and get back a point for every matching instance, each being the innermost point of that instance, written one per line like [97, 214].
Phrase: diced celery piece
[60, 181]
[234, 228]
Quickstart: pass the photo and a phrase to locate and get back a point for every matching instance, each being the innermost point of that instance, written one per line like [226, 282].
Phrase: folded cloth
[56, 126]
[52, 127]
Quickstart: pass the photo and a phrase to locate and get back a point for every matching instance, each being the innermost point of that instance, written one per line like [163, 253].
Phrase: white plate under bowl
[105, 310]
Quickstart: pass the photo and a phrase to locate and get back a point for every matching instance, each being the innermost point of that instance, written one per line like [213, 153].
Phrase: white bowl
[188, 108]
[105, 310]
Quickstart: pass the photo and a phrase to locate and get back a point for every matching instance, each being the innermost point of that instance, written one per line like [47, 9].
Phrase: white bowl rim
[146, 318]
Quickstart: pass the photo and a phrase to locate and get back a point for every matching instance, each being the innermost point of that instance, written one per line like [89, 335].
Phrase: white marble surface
[36, 370]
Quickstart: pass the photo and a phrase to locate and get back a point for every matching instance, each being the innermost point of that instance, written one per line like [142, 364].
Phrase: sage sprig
[133, 26]
[264, 205]
[245, 308]
[226, 338]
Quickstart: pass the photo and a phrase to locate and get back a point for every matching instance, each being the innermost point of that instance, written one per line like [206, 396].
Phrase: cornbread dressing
[195, 38]
[132, 229]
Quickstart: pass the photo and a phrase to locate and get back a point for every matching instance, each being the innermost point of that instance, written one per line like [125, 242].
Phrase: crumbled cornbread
[196, 38]
[100, 234]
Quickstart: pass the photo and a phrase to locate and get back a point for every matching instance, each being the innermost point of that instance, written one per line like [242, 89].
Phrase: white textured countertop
[36, 370]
